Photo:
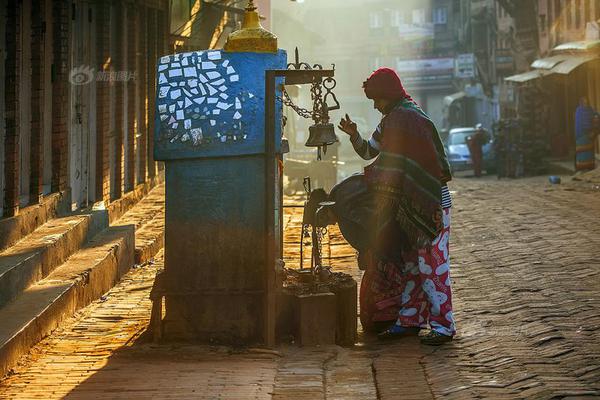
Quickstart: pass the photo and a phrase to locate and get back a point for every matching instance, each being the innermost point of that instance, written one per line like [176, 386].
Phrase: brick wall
[142, 52]
[118, 66]
[131, 97]
[37, 100]
[61, 17]
[102, 102]
[152, 35]
[11, 139]
[140, 34]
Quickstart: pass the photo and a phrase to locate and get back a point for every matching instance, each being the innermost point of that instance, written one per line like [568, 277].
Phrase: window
[418, 16]
[397, 18]
[375, 20]
[440, 16]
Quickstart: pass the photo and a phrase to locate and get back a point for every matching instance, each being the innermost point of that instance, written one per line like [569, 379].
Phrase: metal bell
[321, 135]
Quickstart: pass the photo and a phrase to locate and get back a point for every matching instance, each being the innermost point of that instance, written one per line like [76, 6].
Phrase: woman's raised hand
[348, 126]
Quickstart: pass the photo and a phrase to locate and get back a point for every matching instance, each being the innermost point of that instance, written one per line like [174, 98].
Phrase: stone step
[38, 254]
[150, 238]
[13, 229]
[148, 218]
[84, 277]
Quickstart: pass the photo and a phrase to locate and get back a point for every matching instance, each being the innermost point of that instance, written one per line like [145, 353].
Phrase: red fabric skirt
[380, 294]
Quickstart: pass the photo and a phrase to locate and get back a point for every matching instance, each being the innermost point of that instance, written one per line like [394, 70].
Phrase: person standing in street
[475, 144]
[585, 136]
[408, 179]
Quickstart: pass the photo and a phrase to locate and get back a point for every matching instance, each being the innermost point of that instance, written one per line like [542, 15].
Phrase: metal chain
[303, 112]
[316, 95]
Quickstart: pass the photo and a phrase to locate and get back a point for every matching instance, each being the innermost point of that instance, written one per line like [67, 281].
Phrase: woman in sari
[397, 215]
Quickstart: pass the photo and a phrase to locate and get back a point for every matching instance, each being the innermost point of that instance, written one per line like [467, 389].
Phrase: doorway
[82, 79]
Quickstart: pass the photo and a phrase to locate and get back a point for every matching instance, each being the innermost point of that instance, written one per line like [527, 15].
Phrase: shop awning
[584, 45]
[573, 61]
[550, 62]
[453, 97]
[528, 76]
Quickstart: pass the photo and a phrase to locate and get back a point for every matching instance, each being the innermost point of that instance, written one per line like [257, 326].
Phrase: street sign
[465, 66]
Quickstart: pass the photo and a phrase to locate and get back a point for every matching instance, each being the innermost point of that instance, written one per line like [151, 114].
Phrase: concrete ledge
[119, 207]
[82, 279]
[37, 255]
[15, 228]
[149, 239]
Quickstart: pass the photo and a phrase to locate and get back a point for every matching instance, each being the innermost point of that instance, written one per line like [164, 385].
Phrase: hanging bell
[321, 135]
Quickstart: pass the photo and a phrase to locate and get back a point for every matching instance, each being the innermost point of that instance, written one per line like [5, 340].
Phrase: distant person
[475, 144]
[398, 216]
[585, 136]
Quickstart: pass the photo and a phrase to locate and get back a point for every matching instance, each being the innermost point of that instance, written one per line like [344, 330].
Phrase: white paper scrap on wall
[208, 65]
[212, 100]
[175, 94]
[237, 115]
[214, 55]
[211, 90]
[190, 72]
[213, 75]
[175, 72]
[234, 78]
[179, 115]
[163, 91]
[196, 134]
[187, 124]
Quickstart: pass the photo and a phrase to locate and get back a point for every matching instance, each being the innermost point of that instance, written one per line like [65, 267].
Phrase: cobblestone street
[526, 281]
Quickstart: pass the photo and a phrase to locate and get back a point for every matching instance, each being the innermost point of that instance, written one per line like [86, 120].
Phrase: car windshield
[458, 137]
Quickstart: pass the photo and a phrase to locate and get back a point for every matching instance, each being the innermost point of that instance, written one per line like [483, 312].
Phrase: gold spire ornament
[252, 37]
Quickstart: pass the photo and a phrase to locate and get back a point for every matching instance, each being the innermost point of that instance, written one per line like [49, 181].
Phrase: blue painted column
[210, 120]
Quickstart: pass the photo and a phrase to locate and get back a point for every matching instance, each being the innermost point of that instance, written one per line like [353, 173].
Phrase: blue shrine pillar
[221, 236]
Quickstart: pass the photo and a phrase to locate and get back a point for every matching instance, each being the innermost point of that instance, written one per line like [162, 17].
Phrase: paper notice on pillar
[233, 85]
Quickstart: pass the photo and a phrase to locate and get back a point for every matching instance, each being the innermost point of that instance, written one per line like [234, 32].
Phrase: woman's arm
[365, 149]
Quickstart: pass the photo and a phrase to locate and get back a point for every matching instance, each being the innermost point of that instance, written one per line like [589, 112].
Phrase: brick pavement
[526, 282]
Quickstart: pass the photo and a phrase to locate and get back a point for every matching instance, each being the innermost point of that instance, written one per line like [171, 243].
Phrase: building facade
[77, 102]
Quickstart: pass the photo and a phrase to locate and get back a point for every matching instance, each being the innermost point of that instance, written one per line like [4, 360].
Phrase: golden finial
[252, 37]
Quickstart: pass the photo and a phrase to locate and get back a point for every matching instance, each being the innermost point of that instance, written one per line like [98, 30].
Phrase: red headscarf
[385, 84]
